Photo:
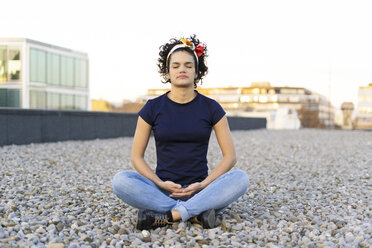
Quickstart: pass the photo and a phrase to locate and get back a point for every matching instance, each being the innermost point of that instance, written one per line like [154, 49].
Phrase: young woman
[181, 120]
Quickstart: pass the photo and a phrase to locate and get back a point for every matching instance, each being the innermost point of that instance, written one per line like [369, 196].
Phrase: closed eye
[175, 65]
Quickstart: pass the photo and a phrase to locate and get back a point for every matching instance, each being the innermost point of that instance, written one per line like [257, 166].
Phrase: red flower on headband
[199, 50]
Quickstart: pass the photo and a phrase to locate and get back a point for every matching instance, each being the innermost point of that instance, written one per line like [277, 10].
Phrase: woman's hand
[190, 190]
[171, 187]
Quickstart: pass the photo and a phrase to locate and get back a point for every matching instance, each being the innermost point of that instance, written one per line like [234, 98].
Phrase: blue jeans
[140, 192]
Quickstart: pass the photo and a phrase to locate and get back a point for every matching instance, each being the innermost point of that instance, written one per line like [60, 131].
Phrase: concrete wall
[24, 126]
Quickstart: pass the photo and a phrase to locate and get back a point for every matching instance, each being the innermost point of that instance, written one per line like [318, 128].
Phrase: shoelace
[161, 220]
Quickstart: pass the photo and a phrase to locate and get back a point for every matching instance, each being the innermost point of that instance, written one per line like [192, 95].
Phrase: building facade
[262, 100]
[363, 118]
[101, 105]
[37, 75]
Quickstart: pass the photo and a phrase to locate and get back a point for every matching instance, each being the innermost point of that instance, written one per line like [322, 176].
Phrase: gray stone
[55, 245]
[349, 237]
[298, 196]
[59, 226]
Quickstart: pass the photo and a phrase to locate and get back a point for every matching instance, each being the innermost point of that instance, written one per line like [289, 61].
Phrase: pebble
[308, 188]
[349, 237]
[211, 235]
[137, 241]
[146, 236]
[59, 226]
[40, 230]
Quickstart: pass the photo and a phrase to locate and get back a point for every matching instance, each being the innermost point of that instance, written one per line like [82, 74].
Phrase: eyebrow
[177, 63]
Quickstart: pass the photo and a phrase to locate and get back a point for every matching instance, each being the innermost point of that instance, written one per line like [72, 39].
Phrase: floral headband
[198, 50]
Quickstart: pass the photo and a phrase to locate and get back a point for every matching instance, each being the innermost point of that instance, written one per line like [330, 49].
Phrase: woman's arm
[226, 144]
[140, 141]
[225, 141]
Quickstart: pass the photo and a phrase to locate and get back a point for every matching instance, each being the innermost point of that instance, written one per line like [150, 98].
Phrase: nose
[182, 68]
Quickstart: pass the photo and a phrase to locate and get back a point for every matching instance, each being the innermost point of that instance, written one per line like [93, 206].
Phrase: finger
[189, 188]
[175, 190]
[183, 193]
[179, 194]
[175, 185]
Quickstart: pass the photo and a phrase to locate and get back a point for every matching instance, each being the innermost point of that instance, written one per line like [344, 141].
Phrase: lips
[182, 76]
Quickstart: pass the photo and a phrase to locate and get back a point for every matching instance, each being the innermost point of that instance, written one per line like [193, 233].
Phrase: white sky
[295, 43]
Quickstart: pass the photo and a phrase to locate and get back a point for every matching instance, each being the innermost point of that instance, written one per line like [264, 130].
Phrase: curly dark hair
[201, 69]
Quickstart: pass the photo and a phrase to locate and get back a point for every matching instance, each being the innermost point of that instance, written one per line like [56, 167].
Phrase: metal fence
[25, 126]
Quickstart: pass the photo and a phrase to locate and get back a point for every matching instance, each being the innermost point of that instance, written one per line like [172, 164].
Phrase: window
[53, 69]
[67, 71]
[14, 64]
[3, 97]
[301, 91]
[80, 73]
[262, 99]
[251, 91]
[3, 64]
[37, 99]
[80, 102]
[13, 98]
[365, 110]
[282, 99]
[9, 98]
[245, 99]
[67, 101]
[37, 65]
[53, 100]
[288, 91]
[10, 64]
[294, 99]
[33, 65]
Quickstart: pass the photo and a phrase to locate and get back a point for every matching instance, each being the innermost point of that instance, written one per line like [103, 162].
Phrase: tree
[310, 118]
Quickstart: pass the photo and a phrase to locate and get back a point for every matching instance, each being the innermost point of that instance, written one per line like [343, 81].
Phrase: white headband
[183, 45]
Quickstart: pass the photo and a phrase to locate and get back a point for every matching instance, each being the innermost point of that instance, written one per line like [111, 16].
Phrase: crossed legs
[140, 192]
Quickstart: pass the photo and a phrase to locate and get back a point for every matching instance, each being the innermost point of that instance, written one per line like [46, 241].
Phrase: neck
[181, 95]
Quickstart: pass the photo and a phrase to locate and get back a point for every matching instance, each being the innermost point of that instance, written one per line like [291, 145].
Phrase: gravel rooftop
[308, 188]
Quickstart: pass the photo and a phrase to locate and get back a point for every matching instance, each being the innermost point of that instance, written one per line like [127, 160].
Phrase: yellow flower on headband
[198, 51]
[188, 43]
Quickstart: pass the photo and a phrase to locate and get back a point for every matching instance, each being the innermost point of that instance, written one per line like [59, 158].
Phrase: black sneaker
[206, 219]
[148, 219]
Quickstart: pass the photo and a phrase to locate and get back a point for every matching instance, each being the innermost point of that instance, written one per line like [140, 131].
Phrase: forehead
[181, 57]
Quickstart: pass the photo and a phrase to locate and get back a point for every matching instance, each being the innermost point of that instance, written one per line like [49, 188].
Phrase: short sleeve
[146, 113]
[217, 112]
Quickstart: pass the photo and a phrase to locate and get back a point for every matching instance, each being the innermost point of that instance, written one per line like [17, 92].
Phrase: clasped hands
[177, 190]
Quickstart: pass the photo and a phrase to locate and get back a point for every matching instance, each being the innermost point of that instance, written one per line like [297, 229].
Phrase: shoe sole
[209, 219]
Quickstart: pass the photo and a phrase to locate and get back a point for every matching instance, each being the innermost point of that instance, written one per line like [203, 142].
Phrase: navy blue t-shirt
[182, 133]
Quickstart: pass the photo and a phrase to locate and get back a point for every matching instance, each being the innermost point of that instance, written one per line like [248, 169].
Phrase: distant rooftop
[369, 86]
[5, 40]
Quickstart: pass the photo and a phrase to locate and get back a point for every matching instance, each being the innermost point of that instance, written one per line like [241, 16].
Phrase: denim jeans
[140, 192]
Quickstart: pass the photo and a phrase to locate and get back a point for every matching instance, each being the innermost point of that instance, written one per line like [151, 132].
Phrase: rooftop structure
[38, 75]
[363, 118]
[347, 111]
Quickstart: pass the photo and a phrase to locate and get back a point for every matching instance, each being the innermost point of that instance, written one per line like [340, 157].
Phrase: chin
[183, 85]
